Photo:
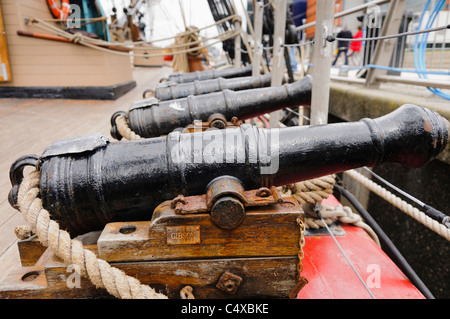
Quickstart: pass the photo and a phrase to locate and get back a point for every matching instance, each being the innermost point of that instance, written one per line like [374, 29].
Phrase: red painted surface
[331, 277]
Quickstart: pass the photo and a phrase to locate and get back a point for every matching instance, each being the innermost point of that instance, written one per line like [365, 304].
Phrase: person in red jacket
[355, 47]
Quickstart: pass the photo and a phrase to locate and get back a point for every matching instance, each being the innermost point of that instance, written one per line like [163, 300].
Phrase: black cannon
[151, 118]
[172, 90]
[87, 182]
[179, 77]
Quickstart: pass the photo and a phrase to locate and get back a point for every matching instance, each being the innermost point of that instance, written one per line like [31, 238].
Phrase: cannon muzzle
[172, 91]
[151, 118]
[87, 182]
[179, 77]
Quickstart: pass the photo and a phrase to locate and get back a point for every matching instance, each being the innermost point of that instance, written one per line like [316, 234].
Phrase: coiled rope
[405, 207]
[180, 61]
[71, 251]
[345, 215]
[316, 190]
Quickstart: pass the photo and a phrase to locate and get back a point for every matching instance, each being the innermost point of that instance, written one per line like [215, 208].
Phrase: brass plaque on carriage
[183, 235]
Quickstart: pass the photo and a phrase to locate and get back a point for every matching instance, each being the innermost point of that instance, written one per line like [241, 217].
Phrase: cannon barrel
[172, 90]
[179, 77]
[151, 118]
[88, 182]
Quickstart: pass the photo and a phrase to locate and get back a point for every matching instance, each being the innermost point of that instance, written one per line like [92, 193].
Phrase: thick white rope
[124, 129]
[313, 190]
[400, 204]
[71, 251]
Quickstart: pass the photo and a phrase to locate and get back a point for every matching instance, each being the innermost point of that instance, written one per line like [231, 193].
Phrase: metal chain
[301, 253]
[302, 281]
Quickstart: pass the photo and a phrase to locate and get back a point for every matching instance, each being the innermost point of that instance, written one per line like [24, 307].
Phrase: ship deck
[28, 126]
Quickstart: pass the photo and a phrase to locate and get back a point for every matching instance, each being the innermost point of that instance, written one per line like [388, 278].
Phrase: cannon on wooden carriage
[151, 117]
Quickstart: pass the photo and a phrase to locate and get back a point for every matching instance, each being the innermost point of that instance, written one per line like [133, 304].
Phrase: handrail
[346, 12]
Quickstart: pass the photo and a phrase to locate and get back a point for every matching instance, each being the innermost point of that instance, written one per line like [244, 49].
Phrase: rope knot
[76, 37]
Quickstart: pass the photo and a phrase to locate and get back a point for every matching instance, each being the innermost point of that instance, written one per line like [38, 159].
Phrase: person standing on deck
[343, 45]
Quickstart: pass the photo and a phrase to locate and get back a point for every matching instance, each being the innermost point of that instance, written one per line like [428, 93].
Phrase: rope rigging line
[298, 44]
[405, 207]
[102, 42]
[298, 114]
[345, 256]
[430, 211]
[98, 44]
[289, 45]
[331, 38]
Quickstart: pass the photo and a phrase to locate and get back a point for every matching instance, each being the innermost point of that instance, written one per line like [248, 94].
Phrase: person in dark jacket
[343, 45]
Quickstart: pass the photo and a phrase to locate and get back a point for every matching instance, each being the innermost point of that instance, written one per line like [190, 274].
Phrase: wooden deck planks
[28, 126]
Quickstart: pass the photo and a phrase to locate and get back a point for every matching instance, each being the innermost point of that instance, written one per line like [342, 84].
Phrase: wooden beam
[278, 53]
[5, 67]
[257, 49]
[322, 62]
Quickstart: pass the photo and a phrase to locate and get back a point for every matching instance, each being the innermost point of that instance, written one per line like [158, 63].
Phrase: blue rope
[420, 47]
[388, 68]
[419, 53]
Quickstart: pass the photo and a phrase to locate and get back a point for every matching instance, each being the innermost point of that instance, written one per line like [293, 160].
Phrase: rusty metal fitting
[263, 192]
[217, 120]
[176, 200]
[226, 198]
[227, 212]
[229, 283]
